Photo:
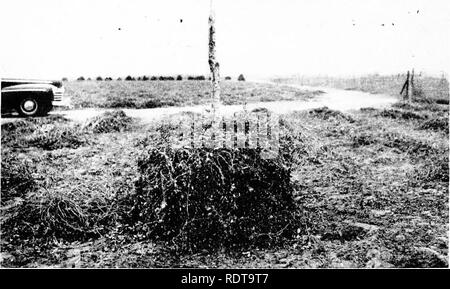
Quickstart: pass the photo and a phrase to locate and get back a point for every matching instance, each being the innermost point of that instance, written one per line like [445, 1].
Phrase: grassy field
[370, 189]
[150, 94]
[427, 88]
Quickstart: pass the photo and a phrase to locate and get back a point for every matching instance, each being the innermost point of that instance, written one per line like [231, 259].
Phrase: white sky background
[56, 38]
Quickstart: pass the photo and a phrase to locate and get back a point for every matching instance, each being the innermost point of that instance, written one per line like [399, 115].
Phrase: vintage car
[30, 97]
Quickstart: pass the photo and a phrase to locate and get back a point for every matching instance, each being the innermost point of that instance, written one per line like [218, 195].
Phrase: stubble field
[369, 187]
[151, 94]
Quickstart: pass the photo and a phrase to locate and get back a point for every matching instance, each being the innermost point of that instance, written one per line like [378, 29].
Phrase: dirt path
[337, 99]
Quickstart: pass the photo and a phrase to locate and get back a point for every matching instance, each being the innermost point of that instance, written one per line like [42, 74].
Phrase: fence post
[406, 87]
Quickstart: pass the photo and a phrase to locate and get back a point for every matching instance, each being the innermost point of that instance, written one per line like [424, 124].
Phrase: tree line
[154, 78]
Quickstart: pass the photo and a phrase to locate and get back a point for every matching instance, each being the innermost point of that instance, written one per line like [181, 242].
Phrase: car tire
[29, 107]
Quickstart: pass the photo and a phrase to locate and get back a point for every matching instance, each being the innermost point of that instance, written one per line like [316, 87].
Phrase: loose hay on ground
[47, 214]
[400, 114]
[326, 114]
[110, 121]
[436, 124]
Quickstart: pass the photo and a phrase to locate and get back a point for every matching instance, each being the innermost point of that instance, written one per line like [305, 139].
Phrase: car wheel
[29, 107]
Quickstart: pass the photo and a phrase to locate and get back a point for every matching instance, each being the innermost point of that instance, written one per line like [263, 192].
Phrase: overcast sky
[56, 38]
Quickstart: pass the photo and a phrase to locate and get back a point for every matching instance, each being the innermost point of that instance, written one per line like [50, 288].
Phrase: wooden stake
[411, 94]
[213, 64]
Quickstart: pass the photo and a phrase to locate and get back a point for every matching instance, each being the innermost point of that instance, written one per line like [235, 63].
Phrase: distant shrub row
[154, 78]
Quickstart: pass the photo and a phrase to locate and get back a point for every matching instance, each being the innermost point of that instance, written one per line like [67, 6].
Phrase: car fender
[46, 88]
[13, 94]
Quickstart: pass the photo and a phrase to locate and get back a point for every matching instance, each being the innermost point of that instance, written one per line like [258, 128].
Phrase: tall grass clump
[16, 178]
[404, 143]
[48, 133]
[52, 137]
[12, 131]
[212, 198]
[433, 170]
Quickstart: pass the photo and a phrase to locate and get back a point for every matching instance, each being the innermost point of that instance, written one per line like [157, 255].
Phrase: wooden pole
[213, 64]
[411, 94]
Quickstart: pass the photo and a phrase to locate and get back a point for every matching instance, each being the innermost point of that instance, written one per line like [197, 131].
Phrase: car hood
[29, 87]
[6, 82]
